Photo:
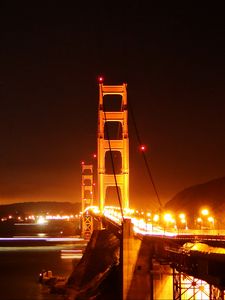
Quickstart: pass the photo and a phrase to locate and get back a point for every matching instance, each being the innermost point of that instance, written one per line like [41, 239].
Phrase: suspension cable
[144, 157]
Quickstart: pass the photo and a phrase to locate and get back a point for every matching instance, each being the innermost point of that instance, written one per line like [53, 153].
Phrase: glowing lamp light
[156, 218]
[168, 217]
[211, 219]
[205, 212]
[182, 216]
[142, 148]
[94, 155]
[41, 220]
[82, 162]
[100, 79]
[96, 210]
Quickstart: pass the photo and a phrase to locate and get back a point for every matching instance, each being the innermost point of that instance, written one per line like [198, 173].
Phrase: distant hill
[192, 199]
[25, 208]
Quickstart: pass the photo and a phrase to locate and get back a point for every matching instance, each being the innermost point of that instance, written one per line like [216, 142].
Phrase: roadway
[198, 253]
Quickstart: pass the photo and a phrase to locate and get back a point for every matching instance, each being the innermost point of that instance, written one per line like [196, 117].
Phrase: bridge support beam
[188, 288]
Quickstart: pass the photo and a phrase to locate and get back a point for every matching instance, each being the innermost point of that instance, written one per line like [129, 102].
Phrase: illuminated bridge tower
[87, 199]
[117, 119]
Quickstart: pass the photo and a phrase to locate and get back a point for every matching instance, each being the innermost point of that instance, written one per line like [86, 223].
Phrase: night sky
[171, 57]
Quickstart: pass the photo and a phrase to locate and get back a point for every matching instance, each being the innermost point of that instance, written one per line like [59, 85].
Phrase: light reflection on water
[20, 267]
[38, 248]
[41, 239]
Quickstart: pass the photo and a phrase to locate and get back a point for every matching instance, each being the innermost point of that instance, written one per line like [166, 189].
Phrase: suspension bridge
[156, 260]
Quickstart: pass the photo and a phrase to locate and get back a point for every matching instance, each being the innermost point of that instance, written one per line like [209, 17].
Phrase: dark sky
[171, 57]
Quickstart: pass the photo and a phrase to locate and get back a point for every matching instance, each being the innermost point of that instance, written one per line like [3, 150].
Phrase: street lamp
[211, 221]
[205, 212]
[205, 218]
[156, 218]
[168, 219]
[199, 221]
[183, 219]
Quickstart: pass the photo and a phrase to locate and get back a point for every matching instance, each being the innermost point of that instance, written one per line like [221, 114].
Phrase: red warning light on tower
[142, 148]
[100, 79]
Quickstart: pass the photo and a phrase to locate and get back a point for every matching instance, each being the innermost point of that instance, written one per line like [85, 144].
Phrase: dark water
[20, 266]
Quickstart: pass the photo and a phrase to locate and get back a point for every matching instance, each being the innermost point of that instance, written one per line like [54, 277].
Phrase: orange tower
[118, 117]
[87, 199]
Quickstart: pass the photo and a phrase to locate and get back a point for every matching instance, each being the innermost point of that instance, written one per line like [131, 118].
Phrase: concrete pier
[136, 272]
[143, 277]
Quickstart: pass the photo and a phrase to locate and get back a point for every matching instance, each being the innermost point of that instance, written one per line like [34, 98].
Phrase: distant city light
[41, 220]
[59, 217]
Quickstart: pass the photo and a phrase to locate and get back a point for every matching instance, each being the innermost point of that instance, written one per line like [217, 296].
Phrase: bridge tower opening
[113, 139]
[87, 193]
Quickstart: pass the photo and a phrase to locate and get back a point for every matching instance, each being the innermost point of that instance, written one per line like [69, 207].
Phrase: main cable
[144, 156]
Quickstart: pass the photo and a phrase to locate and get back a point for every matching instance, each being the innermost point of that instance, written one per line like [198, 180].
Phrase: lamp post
[211, 221]
[155, 220]
[148, 221]
[183, 220]
[199, 222]
[167, 220]
[204, 213]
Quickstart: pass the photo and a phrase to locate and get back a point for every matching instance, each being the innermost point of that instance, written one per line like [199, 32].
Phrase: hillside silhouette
[26, 208]
[192, 199]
